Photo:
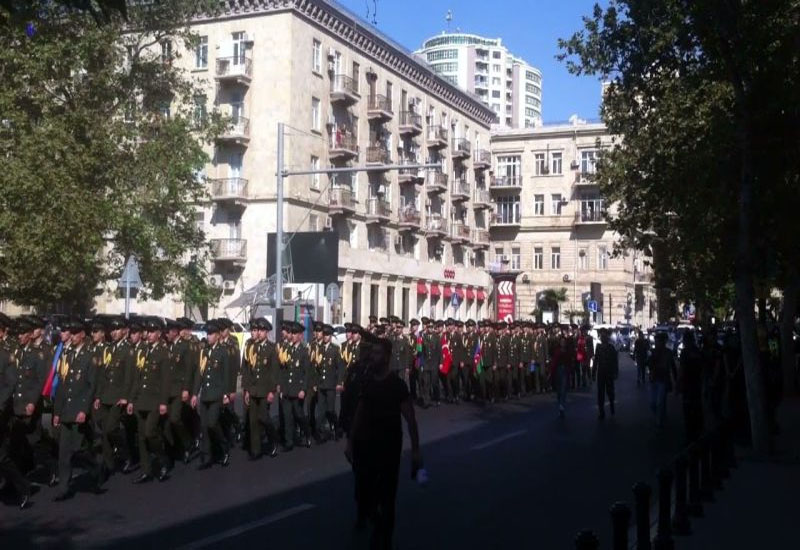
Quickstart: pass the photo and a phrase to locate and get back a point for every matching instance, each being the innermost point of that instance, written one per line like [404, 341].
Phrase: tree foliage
[101, 143]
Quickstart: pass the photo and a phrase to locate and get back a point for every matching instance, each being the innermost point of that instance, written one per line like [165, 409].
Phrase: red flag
[447, 358]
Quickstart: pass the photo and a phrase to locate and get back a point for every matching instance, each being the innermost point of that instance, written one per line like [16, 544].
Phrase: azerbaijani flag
[50, 386]
[418, 359]
[477, 357]
[447, 358]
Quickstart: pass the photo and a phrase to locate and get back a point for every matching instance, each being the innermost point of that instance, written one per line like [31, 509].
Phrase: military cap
[117, 322]
[21, 326]
[97, 324]
[414, 322]
[255, 324]
[212, 327]
[449, 321]
[400, 323]
[439, 323]
[327, 330]
[373, 319]
[77, 325]
[224, 323]
[501, 325]
[153, 323]
[379, 331]
[34, 321]
[469, 323]
[135, 325]
[460, 324]
[173, 325]
[296, 328]
[261, 323]
[185, 322]
[355, 327]
[318, 326]
[348, 327]
[286, 326]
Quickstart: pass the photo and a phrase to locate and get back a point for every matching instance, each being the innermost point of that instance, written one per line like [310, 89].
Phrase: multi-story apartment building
[412, 242]
[549, 224]
[511, 87]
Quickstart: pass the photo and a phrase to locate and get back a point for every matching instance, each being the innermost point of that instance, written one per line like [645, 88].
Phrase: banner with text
[506, 299]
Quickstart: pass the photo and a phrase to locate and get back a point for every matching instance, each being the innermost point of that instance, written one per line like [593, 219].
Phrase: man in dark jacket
[260, 371]
[606, 362]
[690, 383]
[327, 382]
[641, 352]
[294, 380]
[210, 394]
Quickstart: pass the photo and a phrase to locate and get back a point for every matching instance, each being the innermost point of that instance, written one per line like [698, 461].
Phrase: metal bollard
[695, 507]
[663, 540]
[641, 492]
[586, 540]
[717, 460]
[706, 485]
[620, 520]
[680, 520]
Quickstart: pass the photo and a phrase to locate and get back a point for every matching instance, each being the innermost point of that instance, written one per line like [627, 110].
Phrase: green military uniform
[151, 390]
[468, 375]
[526, 357]
[115, 378]
[211, 384]
[294, 377]
[431, 359]
[503, 364]
[328, 374]
[489, 355]
[8, 380]
[540, 355]
[259, 379]
[454, 340]
[514, 359]
[31, 373]
[228, 417]
[181, 379]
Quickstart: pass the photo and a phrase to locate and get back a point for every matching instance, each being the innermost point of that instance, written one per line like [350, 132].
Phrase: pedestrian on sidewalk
[641, 352]
[690, 384]
[375, 443]
[559, 371]
[662, 376]
[607, 365]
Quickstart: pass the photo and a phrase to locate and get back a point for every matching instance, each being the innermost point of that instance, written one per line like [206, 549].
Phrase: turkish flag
[447, 358]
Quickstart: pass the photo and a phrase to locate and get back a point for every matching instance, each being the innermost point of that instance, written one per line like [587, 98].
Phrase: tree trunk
[791, 292]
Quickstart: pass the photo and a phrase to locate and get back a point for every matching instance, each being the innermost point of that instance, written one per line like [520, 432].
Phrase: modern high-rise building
[510, 86]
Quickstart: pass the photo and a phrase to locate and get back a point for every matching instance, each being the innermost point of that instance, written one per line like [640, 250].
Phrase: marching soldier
[468, 374]
[294, 385]
[414, 346]
[71, 410]
[540, 355]
[315, 357]
[259, 383]
[210, 394]
[354, 372]
[401, 351]
[502, 363]
[431, 359]
[489, 354]
[181, 379]
[514, 360]
[327, 383]
[527, 359]
[31, 367]
[230, 421]
[149, 401]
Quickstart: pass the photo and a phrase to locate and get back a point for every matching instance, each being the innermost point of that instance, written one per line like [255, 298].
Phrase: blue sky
[529, 28]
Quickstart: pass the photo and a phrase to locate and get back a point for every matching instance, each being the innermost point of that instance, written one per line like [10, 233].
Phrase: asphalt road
[510, 475]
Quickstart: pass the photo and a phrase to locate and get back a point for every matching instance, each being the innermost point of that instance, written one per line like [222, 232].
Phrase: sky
[530, 29]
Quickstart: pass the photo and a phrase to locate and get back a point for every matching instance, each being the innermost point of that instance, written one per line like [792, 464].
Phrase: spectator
[662, 376]
[690, 382]
[607, 365]
[641, 351]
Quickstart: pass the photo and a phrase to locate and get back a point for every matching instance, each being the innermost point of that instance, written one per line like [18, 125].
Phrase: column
[366, 293]
[400, 284]
[347, 296]
[382, 299]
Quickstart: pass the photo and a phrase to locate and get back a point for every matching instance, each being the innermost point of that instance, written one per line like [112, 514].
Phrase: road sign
[455, 300]
[130, 275]
[332, 292]
[592, 306]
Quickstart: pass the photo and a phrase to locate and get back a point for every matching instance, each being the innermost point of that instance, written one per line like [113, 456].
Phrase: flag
[418, 359]
[477, 357]
[309, 325]
[51, 384]
[447, 358]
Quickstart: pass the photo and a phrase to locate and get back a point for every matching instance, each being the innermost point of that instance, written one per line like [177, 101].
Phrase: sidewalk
[758, 506]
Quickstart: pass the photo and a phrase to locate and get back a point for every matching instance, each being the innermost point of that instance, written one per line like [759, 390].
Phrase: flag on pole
[477, 357]
[308, 324]
[418, 359]
[447, 358]
[51, 384]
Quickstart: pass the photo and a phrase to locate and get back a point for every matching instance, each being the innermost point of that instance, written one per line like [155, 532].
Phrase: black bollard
[717, 460]
[586, 540]
[663, 540]
[641, 492]
[620, 521]
[695, 507]
[706, 485]
[680, 520]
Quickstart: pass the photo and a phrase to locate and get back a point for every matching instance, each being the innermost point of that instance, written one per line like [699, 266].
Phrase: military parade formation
[113, 395]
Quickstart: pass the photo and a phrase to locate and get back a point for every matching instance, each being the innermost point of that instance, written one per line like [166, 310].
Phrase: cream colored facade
[349, 97]
[549, 225]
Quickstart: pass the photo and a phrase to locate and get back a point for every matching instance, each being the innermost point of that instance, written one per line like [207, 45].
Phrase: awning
[460, 291]
[481, 295]
[435, 292]
[448, 292]
[470, 293]
[422, 288]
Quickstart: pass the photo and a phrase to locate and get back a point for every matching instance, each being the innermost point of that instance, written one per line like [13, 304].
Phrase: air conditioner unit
[566, 278]
[574, 165]
[249, 38]
[215, 281]
[327, 224]
[505, 259]
[228, 285]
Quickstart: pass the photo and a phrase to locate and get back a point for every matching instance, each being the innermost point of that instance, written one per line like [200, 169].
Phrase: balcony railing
[501, 220]
[437, 182]
[591, 211]
[461, 148]
[436, 225]
[229, 189]
[378, 154]
[343, 144]
[380, 106]
[585, 178]
[238, 131]
[460, 190]
[238, 69]
[410, 175]
[344, 88]
[481, 159]
[506, 182]
[409, 217]
[229, 250]
[460, 232]
[341, 201]
[481, 199]
[410, 122]
[480, 238]
[378, 210]
[437, 136]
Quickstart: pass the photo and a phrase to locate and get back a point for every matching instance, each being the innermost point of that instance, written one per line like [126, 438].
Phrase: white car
[339, 336]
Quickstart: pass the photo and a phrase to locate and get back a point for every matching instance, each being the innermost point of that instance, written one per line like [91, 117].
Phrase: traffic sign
[130, 275]
[455, 300]
[592, 306]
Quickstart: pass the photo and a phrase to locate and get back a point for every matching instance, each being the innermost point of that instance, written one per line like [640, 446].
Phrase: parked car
[339, 336]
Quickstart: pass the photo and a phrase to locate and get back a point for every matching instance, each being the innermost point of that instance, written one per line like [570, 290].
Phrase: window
[201, 53]
[602, 257]
[495, 81]
[528, 123]
[356, 74]
[588, 162]
[538, 258]
[530, 100]
[509, 168]
[529, 87]
[496, 55]
[199, 220]
[507, 209]
[555, 258]
[442, 54]
[496, 94]
[583, 260]
[533, 77]
[313, 222]
[315, 177]
[539, 164]
[445, 67]
[316, 56]
[315, 114]
[555, 204]
[496, 68]
[199, 112]
[498, 255]
[353, 233]
[530, 112]
[538, 205]
[515, 259]
[239, 47]
[166, 51]
[496, 107]
[556, 163]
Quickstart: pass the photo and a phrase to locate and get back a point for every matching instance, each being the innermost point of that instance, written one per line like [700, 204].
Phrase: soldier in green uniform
[490, 350]
[468, 374]
[210, 394]
[190, 418]
[293, 387]
[431, 360]
[181, 379]
[353, 376]
[259, 383]
[401, 350]
[502, 362]
[115, 379]
[514, 359]
[313, 352]
[71, 408]
[31, 368]
[139, 346]
[328, 379]
[456, 355]
[228, 418]
[149, 401]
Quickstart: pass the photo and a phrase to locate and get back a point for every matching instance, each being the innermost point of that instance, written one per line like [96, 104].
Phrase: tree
[101, 146]
[704, 94]
[551, 299]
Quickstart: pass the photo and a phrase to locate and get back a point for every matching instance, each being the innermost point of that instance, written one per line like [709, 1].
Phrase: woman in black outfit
[375, 442]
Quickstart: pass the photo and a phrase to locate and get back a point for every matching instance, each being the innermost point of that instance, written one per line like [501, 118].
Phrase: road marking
[498, 440]
[236, 531]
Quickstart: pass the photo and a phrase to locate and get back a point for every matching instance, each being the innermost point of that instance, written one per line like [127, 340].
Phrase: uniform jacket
[489, 350]
[151, 388]
[515, 350]
[503, 351]
[470, 343]
[78, 383]
[457, 348]
[234, 358]
[329, 370]
[8, 376]
[260, 369]
[431, 351]
[527, 349]
[401, 353]
[294, 375]
[116, 377]
[181, 371]
[30, 361]
[351, 352]
[213, 373]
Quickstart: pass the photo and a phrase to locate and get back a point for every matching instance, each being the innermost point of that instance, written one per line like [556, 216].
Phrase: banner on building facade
[505, 299]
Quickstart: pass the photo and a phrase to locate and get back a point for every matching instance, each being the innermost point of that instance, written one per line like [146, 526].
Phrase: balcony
[231, 191]
[459, 192]
[341, 202]
[506, 183]
[238, 70]
[505, 220]
[378, 154]
[481, 83]
[344, 89]
[482, 159]
[411, 175]
[238, 133]
[592, 212]
[229, 250]
[480, 239]
[410, 123]
[481, 200]
[409, 218]
[344, 145]
[461, 148]
[437, 182]
[460, 232]
[585, 179]
[437, 137]
[378, 210]
[436, 226]
[379, 108]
